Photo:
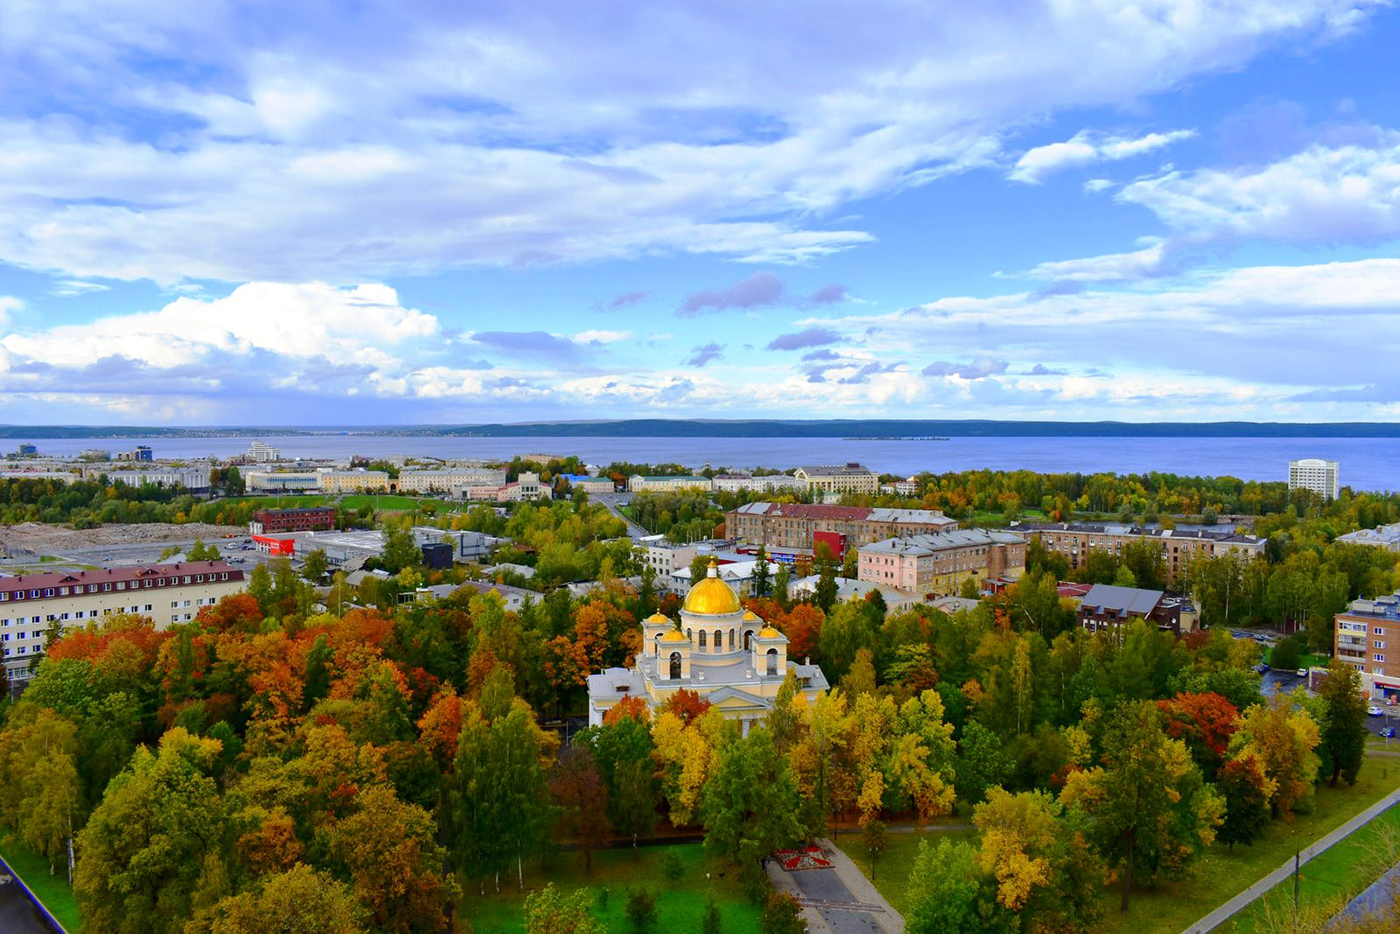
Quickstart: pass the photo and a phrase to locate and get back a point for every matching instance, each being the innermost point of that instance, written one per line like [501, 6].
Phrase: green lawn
[680, 906]
[1332, 879]
[891, 870]
[1219, 874]
[53, 890]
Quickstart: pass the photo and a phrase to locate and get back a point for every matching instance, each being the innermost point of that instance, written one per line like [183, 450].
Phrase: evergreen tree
[1344, 722]
[1242, 783]
[761, 585]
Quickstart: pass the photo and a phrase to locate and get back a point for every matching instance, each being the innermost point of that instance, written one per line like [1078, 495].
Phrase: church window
[675, 666]
[772, 661]
[702, 638]
[719, 640]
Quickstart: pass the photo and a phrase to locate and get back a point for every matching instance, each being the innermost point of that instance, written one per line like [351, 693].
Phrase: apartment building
[262, 453]
[673, 484]
[937, 564]
[1076, 540]
[1312, 473]
[1362, 640]
[449, 479]
[1108, 608]
[906, 487]
[167, 593]
[837, 479]
[800, 525]
[355, 481]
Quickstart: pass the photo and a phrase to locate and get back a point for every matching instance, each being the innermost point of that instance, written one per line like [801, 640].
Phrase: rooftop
[1385, 607]
[850, 469]
[111, 575]
[1107, 598]
[930, 542]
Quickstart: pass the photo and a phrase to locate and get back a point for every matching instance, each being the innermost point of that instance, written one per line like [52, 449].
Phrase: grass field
[53, 891]
[680, 906]
[1331, 879]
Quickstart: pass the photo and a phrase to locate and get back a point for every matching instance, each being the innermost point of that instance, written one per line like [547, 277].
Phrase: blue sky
[316, 213]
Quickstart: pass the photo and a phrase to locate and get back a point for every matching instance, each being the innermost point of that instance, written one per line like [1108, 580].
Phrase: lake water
[1365, 463]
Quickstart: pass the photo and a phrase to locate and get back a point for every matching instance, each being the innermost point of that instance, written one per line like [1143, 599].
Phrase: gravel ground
[40, 539]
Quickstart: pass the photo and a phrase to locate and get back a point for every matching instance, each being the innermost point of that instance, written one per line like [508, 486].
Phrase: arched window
[719, 640]
[675, 666]
[731, 640]
[689, 634]
[772, 661]
[748, 639]
[702, 638]
[656, 644]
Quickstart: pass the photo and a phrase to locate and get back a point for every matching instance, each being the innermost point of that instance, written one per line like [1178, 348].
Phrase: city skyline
[404, 215]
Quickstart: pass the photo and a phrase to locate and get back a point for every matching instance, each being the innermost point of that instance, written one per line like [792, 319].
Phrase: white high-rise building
[1314, 474]
[262, 453]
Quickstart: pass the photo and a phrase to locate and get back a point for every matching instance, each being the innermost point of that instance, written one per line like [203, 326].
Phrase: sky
[377, 213]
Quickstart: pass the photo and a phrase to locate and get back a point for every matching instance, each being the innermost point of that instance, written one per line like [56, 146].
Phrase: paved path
[1222, 914]
[839, 900]
[17, 913]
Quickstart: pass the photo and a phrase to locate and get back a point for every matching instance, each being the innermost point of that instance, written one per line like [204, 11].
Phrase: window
[719, 640]
[106, 588]
[121, 585]
[63, 591]
[1377, 630]
[1378, 658]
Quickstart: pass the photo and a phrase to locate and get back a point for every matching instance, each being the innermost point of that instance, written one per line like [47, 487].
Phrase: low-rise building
[1362, 637]
[1106, 607]
[355, 481]
[1076, 540]
[768, 483]
[800, 525]
[837, 479]
[590, 485]
[270, 481]
[908, 487]
[1382, 536]
[737, 574]
[167, 593]
[312, 519]
[896, 600]
[193, 479]
[673, 484]
[938, 564]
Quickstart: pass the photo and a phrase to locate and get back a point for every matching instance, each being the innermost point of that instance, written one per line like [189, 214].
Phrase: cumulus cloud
[1151, 260]
[759, 289]
[1087, 148]
[810, 337]
[336, 144]
[699, 356]
[1041, 369]
[979, 368]
[8, 306]
[601, 337]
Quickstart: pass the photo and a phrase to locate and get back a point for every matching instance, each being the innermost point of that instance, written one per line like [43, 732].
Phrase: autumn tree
[1204, 722]
[950, 894]
[550, 911]
[301, 900]
[582, 799]
[1282, 737]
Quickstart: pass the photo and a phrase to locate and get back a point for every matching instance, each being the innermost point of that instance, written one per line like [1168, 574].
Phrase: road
[611, 500]
[17, 913]
[840, 900]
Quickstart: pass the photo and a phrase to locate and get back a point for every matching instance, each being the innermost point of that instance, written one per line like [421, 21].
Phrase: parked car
[1388, 732]
[1374, 712]
[1261, 668]
[1302, 672]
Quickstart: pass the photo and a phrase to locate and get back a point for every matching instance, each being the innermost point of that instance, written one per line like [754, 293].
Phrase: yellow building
[719, 650]
[839, 478]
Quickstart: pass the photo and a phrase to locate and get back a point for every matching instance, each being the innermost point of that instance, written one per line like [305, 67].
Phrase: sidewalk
[1226, 911]
[862, 888]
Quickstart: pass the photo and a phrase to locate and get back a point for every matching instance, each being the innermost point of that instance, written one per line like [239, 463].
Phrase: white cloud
[1088, 148]
[601, 337]
[1147, 262]
[8, 306]
[1344, 194]
[68, 288]
[349, 144]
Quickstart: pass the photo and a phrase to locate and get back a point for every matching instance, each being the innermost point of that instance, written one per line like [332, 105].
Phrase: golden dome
[750, 614]
[768, 632]
[675, 635]
[656, 618]
[712, 597]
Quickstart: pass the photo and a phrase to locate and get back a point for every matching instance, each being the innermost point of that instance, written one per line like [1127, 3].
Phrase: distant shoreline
[869, 429]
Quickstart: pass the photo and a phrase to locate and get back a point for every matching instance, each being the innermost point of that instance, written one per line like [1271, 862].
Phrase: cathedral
[721, 651]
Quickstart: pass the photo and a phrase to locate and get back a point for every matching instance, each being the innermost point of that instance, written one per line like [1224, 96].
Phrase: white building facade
[1314, 474]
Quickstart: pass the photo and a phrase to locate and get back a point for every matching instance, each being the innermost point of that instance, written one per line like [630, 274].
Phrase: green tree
[781, 582]
[1343, 724]
[949, 894]
[301, 900]
[549, 911]
[824, 594]
[762, 584]
[711, 922]
[749, 805]
[400, 551]
[142, 850]
[641, 911]
[781, 915]
[314, 566]
[982, 763]
[1242, 784]
[699, 568]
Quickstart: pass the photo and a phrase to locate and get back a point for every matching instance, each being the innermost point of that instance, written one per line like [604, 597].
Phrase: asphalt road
[824, 890]
[610, 500]
[17, 914]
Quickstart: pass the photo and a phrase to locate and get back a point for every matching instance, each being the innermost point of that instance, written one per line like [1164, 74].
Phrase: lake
[1365, 463]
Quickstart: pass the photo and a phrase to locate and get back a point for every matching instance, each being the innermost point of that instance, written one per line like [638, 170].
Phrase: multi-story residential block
[1106, 607]
[770, 483]
[193, 479]
[839, 478]
[314, 519]
[938, 564]
[799, 525]
[167, 593]
[1362, 639]
[590, 485]
[1312, 473]
[1382, 536]
[1076, 540]
[674, 484]
[262, 453]
[449, 479]
[355, 481]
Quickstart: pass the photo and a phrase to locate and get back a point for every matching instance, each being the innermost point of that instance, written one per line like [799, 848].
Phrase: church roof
[768, 632]
[712, 596]
[675, 635]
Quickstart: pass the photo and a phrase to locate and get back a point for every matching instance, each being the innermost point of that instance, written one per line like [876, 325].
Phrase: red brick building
[313, 519]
